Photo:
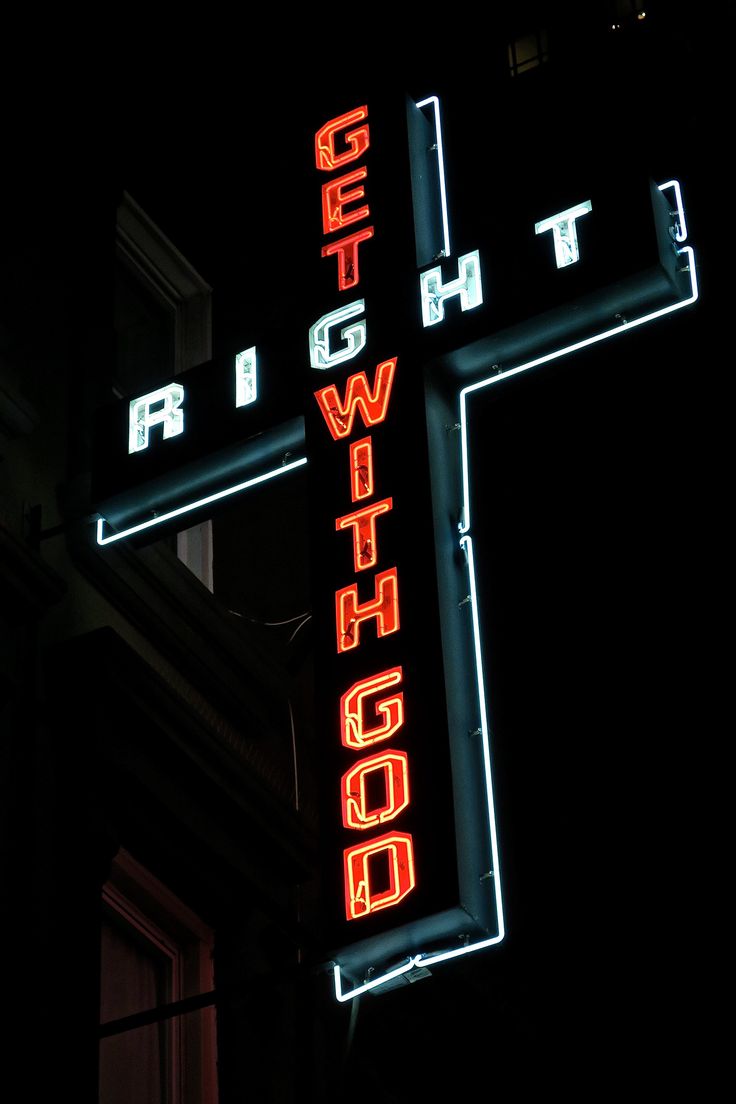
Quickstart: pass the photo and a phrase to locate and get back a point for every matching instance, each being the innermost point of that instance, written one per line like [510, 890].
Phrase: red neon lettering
[361, 469]
[384, 606]
[363, 522]
[360, 873]
[354, 732]
[357, 140]
[373, 405]
[356, 813]
[334, 198]
[347, 257]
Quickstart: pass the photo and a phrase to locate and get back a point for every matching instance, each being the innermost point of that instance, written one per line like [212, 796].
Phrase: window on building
[163, 326]
[528, 51]
[154, 951]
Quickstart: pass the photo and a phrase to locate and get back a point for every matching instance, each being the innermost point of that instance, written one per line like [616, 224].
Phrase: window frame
[139, 900]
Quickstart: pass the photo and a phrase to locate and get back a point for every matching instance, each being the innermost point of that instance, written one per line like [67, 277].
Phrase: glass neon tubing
[197, 504]
[426, 959]
[434, 101]
[682, 225]
[464, 525]
[389, 976]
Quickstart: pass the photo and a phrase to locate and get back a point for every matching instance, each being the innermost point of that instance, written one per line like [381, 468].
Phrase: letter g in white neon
[320, 353]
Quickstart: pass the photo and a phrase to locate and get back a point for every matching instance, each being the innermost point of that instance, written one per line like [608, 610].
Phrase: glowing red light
[357, 140]
[363, 523]
[384, 607]
[348, 274]
[361, 874]
[371, 403]
[354, 731]
[379, 873]
[336, 194]
[356, 810]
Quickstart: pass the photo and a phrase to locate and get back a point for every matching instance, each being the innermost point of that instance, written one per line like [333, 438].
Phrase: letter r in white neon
[168, 414]
[434, 293]
[564, 232]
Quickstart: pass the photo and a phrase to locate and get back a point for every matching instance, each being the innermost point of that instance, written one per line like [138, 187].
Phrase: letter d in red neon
[360, 898]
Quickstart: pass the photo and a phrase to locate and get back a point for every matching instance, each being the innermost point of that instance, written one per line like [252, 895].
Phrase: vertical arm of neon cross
[428, 182]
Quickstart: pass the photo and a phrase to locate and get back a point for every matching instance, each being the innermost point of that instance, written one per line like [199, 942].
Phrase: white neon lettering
[467, 285]
[564, 232]
[320, 354]
[246, 379]
[143, 416]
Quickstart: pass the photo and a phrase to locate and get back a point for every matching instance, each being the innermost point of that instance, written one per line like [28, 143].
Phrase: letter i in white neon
[246, 379]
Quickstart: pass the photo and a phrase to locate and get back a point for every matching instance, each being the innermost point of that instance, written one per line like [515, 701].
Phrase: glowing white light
[435, 103]
[680, 224]
[622, 327]
[467, 544]
[372, 984]
[427, 959]
[564, 232]
[467, 285]
[143, 417]
[246, 379]
[320, 354]
[197, 504]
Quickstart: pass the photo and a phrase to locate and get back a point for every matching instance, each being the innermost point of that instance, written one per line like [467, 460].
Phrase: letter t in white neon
[143, 416]
[564, 232]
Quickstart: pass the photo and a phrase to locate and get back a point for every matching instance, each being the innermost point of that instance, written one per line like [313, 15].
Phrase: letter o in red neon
[355, 811]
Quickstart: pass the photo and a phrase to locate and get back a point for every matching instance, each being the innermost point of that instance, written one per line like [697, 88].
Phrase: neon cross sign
[397, 770]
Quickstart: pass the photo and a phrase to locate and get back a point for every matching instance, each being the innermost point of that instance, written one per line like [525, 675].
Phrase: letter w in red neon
[372, 403]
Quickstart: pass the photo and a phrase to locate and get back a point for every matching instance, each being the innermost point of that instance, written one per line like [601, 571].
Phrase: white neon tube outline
[681, 235]
[464, 525]
[434, 101]
[196, 504]
[426, 959]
